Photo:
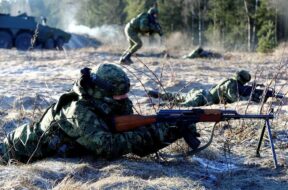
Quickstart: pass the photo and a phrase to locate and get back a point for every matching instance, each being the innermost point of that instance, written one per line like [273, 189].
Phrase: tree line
[246, 25]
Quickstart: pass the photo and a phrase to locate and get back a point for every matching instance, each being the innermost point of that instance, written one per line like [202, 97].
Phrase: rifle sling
[192, 152]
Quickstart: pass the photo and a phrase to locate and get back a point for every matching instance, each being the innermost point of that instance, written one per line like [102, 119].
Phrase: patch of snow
[216, 166]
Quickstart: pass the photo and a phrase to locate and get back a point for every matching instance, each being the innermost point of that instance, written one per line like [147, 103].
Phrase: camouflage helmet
[243, 76]
[153, 11]
[114, 80]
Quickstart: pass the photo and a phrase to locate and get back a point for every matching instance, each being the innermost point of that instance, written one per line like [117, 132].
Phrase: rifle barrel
[246, 116]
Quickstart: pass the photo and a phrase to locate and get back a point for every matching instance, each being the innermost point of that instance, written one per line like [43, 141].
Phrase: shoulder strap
[219, 84]
[65, 99]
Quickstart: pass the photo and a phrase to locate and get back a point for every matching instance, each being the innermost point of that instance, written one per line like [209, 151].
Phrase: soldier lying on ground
[201, 53]
[144, 23]
[81, 122]
[225, 92]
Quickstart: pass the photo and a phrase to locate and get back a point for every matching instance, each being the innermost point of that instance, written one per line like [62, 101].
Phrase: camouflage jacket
[193, 98]
[77, 124]
[227, 92]
[144, 23]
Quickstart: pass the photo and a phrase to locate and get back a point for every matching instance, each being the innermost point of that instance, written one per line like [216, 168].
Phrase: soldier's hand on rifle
[189, 133]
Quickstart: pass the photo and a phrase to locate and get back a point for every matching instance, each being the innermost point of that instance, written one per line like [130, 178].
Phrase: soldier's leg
[175, 97]
[196, 98]
[131, 44]
[23, 143]
[137, 43]
[131, 37]
[134, 40]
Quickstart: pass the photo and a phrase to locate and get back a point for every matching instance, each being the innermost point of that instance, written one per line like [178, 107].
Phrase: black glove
[256, 97]
[189, 133]
[85, 80]
[153, 93]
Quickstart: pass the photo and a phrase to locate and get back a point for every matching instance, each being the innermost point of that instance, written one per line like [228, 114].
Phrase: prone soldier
[81, 122]
[225, 92]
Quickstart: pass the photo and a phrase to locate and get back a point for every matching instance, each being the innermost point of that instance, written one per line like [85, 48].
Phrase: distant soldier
[144, 23]
[227, 91]
[199, 52]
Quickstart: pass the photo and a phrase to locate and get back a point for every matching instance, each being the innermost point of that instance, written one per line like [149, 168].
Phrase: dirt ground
[31, 81]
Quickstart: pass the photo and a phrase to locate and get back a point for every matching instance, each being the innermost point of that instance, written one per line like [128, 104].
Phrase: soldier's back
[135, 23]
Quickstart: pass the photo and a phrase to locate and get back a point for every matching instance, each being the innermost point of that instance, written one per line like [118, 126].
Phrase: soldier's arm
[96, 136]
[232, 94]
[144, 25]
[155, 27]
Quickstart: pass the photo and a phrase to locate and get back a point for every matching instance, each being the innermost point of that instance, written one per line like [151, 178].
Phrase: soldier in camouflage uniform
[144, 23]
[201, 53]
[228, 91]
[80, 123]
[194, 54]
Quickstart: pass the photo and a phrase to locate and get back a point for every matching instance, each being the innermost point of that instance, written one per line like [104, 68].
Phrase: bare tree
[254, 25]
[248, 25]
[197, 8]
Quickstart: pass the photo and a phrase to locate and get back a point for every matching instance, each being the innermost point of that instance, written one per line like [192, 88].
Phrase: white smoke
[107, 34]
[19, 7]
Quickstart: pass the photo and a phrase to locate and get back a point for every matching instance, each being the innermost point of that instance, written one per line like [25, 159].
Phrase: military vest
[217, 92]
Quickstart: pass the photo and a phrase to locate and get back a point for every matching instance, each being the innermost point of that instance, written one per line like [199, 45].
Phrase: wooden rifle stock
[130, 122]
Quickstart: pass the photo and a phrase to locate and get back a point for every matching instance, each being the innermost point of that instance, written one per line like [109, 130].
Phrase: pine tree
[97, 12]
[135, 7]
[195, 19]
[266, 27]
[229, 23]
[170, 15]
[281, 19]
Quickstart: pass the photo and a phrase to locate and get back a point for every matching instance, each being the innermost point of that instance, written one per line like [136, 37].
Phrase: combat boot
[3, 161]
[153, 93]
[126, 59]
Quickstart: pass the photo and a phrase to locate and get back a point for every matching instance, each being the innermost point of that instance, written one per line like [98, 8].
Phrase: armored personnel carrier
[23, 32]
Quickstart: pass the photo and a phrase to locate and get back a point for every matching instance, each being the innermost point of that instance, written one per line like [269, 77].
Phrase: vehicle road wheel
[23, 41]
[59, 43]
[49, 44]
[5, 40]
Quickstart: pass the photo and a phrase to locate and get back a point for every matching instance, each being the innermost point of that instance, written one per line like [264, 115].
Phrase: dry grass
[70, 184]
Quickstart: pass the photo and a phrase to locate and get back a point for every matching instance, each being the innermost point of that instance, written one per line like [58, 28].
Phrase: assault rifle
[130, 122]
[259, 92]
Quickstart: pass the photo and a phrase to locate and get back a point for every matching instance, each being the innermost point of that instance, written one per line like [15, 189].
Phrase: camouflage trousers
[134, 40]
[193, 98]
[29, 143]
[32, 142]
[25, 144]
